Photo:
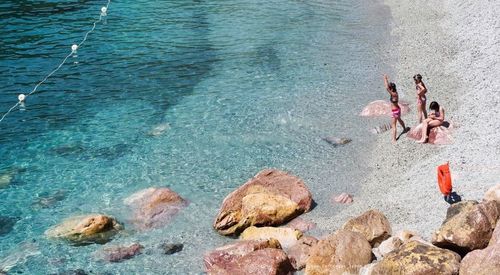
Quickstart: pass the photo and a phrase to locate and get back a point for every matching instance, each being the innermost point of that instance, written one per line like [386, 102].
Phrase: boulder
[438, 135]
[367, 269]
[154, 207]
[482, 261]
[299, 253]
[86, 229]
[415, 257]
[118, 253]
[372, 224]
[272, 197]
[171, 248]
[300, 224]
[493, 194]
[267, 261]
[383, 108]
[395, 242]
[495, 237]
[223, 256]
[468, 226]
[286, 236]
[343, 252]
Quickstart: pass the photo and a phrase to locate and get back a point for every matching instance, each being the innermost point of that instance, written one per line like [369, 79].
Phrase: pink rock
[495, 237]
[267, 261]
[119, 253]
[154, 207]
[437, 135]
[482, 261]
[383, 108]
[299, 253]
[300, 224]
[225, 255]
[343, 198]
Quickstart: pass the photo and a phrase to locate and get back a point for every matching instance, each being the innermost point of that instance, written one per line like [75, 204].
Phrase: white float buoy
[74, 48]
[21, 97]
[104, 11]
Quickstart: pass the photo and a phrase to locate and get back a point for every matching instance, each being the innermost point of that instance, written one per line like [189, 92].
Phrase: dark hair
[417, 77]
[434, 106]
[392, 85]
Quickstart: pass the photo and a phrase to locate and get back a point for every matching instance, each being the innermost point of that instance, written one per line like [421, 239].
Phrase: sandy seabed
[455, 45]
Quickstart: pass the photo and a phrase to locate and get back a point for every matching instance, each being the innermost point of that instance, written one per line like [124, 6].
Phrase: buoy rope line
[74, 48]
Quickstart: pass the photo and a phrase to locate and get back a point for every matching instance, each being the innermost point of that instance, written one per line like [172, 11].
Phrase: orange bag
[444, 179]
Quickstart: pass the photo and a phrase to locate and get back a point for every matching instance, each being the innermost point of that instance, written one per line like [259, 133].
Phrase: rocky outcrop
[272, 197]
[118, 253]
[468, 226]
[87, 229]
[286, 236]
[343, 252]
[395, 242]
[372, 224]
[225, 255]
[482, 261]
[267, 261]
[154, 207]
[495, 237]
[299, 253]
[415, 258]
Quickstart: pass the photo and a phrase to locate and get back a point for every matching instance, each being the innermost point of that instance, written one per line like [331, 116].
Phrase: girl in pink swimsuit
[421, 98]
[396, 110]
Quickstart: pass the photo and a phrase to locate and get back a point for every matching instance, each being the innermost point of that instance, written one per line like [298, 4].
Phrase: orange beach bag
[444, 179]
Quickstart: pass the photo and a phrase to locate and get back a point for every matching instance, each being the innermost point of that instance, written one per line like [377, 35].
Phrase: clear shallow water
[241, 85]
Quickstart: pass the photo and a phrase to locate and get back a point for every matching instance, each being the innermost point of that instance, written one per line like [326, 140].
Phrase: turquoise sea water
[231, 87]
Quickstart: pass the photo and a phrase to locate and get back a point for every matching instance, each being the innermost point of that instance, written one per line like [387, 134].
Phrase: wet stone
[7, 224]
[171, 248]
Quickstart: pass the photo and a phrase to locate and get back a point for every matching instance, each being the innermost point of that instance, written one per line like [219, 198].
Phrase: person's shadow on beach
[406, 130]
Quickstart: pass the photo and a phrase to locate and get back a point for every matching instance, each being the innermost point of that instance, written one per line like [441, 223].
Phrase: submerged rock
[7, 224]
[228, 254]
[299, 253]
[343, 252]
[119, 253]
[417, 258]
[337, 141]
[286, 236]
[154, 207]
[18, 255]
[8, 175]
[468, 226]
[159, 129]
[86, 229]
[372, 224]
[272, 197]
[171, 248]
[269, 261]
[49, 200]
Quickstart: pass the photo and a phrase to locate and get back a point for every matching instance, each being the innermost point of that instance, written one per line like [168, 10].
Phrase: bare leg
[435, 123]
[420, 112]
[394, 130]
[424, 110]
[425, 125]
[402, 123]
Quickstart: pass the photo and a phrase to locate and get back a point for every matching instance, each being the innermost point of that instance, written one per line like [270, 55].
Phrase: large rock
[468, 226]
[272, 197]
[118, 253]
[267, 261]
[286, 236]
[87, 229]
[225, 255]
[495, 237]
[343, 252]
[383, 108]
[300, 224]
[154, 207]
[395, 242]
[372, 224]
[482, 261]
[415, 258]
[299, 253]
[437, 135]
[493, 194]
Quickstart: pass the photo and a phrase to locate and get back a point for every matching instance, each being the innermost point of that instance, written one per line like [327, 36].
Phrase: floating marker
[21, 97]
[74, 48]
[104, 11]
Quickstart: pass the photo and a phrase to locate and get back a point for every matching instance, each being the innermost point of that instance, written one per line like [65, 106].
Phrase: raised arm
[386, 83]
